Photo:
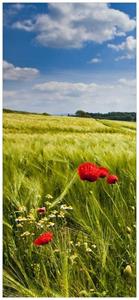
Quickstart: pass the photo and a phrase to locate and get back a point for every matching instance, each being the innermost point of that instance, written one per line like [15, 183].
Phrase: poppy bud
[103, 172]
[112, 179]
[41, 210]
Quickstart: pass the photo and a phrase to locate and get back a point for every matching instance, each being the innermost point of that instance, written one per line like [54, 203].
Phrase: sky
[63, 57]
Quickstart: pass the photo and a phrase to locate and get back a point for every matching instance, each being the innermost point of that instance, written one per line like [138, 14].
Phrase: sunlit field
[92, 252]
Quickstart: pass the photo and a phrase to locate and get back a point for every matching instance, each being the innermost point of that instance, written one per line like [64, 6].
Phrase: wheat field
[93, 223]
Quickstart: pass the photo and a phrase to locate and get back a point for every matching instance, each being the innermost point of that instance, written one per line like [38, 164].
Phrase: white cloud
[26, 25]
[129, 44]
[123, 57]
[17, 6]
[67, 97]
[11, 11]
[128, 47]
[10, 72]
[71, 25]
[127, 82]
[95, 60]
[69, 88]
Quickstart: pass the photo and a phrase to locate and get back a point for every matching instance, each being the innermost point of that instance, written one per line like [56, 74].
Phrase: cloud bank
[67, 97]
[71, 25]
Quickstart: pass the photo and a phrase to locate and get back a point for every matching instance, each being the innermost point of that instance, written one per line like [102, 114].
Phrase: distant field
[95, 236]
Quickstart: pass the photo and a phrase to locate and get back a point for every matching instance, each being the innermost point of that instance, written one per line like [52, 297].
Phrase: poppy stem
[60, 198]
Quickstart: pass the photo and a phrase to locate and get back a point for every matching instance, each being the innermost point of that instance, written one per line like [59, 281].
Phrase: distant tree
[81, 114]
[45, 114]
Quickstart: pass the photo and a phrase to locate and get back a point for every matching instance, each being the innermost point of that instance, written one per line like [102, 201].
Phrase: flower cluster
[47, 236]
[86, 171]
[91, 172]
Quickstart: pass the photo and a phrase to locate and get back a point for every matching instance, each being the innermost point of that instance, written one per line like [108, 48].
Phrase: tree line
[120, 116]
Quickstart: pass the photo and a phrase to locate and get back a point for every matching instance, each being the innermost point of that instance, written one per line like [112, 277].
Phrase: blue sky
[62, 57]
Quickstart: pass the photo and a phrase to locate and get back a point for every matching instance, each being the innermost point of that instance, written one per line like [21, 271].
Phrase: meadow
[93, 223]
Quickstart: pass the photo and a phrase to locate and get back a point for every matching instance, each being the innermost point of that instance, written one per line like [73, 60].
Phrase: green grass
[91, 244]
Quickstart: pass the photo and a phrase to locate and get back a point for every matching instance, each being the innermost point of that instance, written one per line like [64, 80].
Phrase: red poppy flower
[43, 239]
[88, 171]
[41, 210]
[112, 179]
[103, 172]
